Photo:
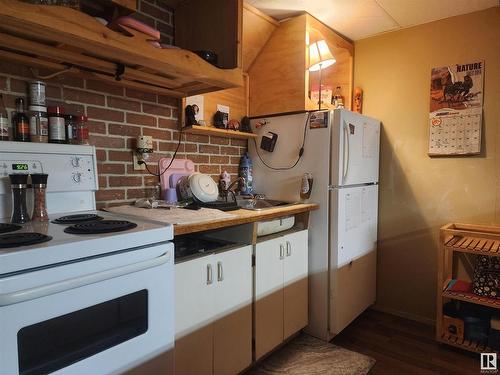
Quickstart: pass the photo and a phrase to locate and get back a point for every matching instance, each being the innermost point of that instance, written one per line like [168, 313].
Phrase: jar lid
[37, 108]
[56, 110]
[37, 82]
[82, 118]
[71, 117]
[39, 178]
[18, 178]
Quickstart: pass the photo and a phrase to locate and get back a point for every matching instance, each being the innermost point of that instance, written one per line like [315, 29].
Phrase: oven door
[102, 315]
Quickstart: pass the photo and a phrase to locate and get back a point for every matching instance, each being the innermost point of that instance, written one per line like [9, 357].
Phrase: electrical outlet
[137, 166]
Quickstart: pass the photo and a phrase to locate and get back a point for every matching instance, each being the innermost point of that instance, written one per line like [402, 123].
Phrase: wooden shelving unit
[465, 344]
[61, 38]
[466, 239]
[210, 130]
[472, 298]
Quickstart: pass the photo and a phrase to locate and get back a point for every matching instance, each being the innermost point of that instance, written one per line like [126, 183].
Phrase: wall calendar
[456, 101]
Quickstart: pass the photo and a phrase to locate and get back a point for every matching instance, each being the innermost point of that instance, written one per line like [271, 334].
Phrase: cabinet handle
[220, 272]
[282, 251]
[288, 248]
[209, 274]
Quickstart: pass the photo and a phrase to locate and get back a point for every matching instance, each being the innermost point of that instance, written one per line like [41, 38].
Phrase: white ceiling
[358, 19]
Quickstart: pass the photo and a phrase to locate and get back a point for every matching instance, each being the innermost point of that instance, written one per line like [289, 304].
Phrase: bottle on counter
[39, 124]
[57, 128]
[4, 121]
[21, 121]
[245, 171]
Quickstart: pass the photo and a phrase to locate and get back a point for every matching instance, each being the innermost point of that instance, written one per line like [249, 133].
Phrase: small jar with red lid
[57, 129]
[82, 130]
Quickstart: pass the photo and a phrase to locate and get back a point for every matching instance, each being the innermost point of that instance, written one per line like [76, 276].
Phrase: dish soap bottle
[245, 171]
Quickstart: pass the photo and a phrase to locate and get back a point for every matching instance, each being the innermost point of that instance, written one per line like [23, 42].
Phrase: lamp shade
[320, 56]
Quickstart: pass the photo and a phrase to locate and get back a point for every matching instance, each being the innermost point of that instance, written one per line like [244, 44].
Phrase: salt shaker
[39, 183]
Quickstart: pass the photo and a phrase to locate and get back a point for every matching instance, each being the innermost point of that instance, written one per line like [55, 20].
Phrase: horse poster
[456, 106]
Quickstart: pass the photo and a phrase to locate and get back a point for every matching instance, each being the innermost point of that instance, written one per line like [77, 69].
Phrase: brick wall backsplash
[116, 117]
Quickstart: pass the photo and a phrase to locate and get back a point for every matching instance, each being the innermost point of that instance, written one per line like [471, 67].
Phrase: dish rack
[457, 240]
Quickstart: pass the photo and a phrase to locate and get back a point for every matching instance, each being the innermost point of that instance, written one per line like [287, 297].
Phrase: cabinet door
[268, 295]
[295, 300]
[218, 28]
[233, 311]
[194, 311]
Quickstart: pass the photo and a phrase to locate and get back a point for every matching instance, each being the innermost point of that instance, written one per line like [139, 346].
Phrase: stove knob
[75, 161]
[77, 177]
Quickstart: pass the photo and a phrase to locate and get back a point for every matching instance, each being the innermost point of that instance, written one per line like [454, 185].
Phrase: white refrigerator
[341, 151]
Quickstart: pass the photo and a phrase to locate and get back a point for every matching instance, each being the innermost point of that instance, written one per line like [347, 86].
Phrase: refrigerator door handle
[345, 163]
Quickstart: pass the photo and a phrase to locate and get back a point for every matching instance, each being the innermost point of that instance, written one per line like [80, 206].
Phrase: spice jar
[37, 93]
[71, 124]
[57, 131]
[18, 185]
[39, 124]
[39, 184]
[82, 131]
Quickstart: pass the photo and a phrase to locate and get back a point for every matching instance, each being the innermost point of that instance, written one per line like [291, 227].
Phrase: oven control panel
[68, 171]
[72, 171]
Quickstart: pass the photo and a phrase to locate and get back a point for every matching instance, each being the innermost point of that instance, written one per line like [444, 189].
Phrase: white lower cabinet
[281, 290]
[213, 312]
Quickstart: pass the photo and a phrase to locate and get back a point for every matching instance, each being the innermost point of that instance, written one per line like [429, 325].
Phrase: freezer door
[355, 148]
[353, 223]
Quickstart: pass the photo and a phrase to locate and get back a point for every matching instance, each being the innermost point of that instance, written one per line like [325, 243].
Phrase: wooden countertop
[244, 217]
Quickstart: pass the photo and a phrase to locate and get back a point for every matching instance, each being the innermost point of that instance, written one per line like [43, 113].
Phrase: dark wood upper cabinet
[210, 25]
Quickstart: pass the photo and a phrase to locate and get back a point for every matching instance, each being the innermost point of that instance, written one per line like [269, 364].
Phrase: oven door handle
[76, 282]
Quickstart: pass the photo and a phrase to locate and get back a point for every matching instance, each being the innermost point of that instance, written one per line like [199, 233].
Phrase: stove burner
[22, 239]
[4, 228]
[103, 226]
[78, 218]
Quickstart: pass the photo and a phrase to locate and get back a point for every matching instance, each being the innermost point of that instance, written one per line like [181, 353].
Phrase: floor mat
[307, 355]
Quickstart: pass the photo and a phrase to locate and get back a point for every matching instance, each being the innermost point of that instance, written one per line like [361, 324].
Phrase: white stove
[64, 247]
[81, 303]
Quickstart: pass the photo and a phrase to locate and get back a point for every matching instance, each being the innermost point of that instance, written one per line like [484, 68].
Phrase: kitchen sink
[262, 204]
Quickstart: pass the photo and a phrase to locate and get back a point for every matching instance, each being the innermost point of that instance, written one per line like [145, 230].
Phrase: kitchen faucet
[229, 189]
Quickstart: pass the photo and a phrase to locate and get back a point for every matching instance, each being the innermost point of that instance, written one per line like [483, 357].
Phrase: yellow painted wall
[418, 194]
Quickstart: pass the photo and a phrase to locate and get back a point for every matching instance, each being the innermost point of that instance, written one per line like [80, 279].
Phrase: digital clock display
[20, 167]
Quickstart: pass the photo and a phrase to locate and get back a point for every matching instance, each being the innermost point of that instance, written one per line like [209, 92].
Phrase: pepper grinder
[39, 183]
[18, 185]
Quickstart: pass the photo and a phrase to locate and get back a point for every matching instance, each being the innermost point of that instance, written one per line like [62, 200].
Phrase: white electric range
[83, 303]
